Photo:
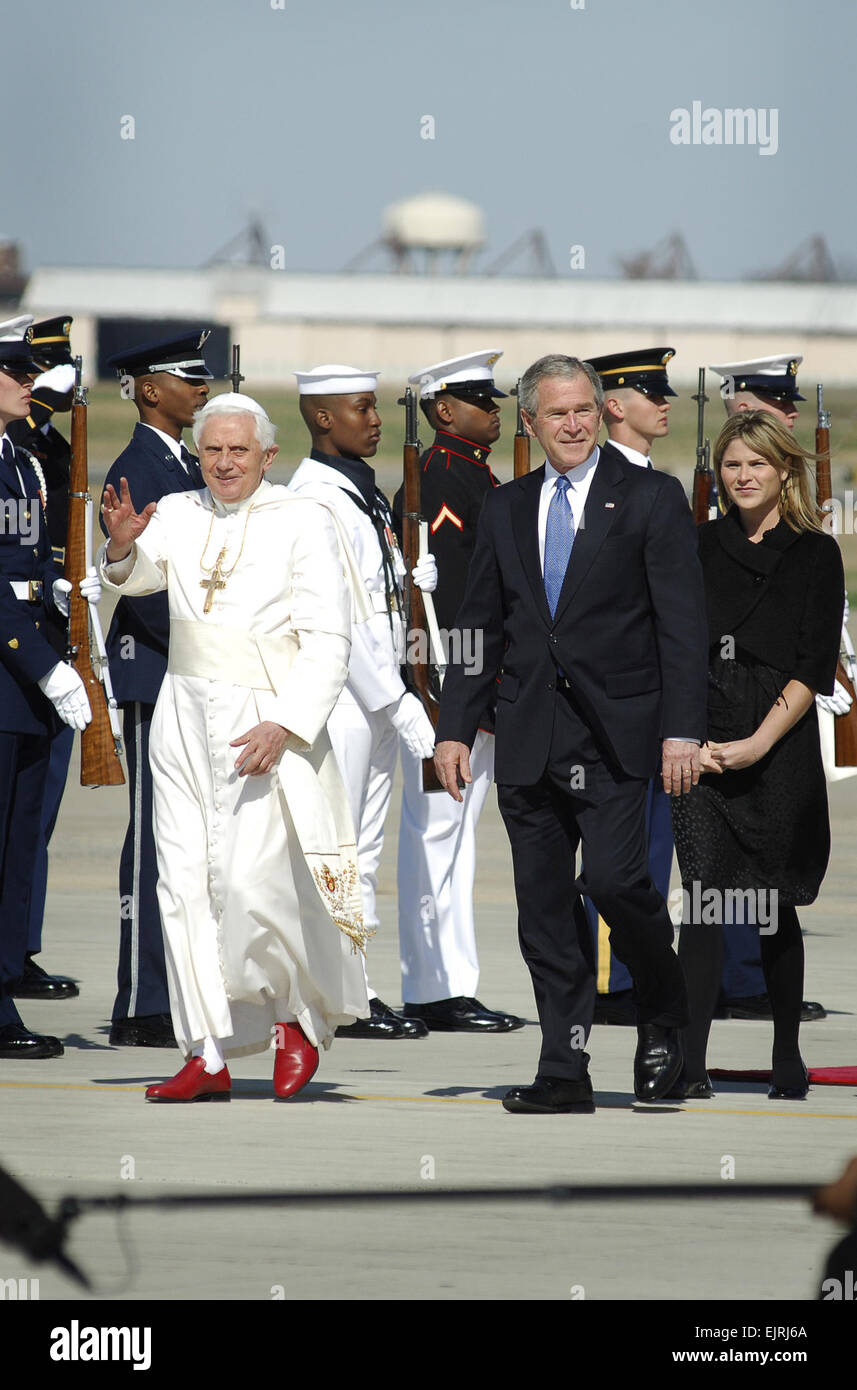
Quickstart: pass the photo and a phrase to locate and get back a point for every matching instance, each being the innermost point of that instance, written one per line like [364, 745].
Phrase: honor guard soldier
[437, 836]
[37, 689]
[766, 383]
[636, 412]
[168, 382]
[339, 409]
[52, 396]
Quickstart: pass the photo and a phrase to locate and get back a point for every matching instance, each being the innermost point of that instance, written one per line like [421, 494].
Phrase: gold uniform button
[13, 642]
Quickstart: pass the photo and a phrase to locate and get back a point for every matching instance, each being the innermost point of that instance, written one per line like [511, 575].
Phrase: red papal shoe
[296, 1060]
[193, 1082]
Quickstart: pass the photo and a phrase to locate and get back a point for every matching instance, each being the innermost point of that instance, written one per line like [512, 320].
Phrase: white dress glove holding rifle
[412, 724]
[67, 693]
[90, 588]
[425, 574]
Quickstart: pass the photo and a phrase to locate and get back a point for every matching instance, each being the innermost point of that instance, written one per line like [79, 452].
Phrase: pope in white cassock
[258, 885]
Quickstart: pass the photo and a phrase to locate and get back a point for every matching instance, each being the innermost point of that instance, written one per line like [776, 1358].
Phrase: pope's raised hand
[123, 524]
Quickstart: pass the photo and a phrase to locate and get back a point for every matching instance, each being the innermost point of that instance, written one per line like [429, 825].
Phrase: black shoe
[758, 1006]
[36, 983]
[793, 1092]
[617, 1008]
[461, 1015]
[383, 1022]
[658, 1061]
[691, 1090]
[551, 1095]
[143, 1030]
[17, 1042]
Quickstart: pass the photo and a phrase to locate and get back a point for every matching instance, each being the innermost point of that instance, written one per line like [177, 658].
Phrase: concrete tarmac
[419, 1115]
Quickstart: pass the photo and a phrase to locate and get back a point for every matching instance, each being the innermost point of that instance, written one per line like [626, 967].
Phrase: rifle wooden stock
[844, 725]
[702, 482]
[100, 765]
[521, 447]
[414, 606]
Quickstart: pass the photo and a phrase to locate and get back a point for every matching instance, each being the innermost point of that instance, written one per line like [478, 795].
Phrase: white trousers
[437, 865]
[365, 745]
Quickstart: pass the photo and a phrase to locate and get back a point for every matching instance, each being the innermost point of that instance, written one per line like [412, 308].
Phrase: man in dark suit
[37, 690]
[168, 382]
[586, 593]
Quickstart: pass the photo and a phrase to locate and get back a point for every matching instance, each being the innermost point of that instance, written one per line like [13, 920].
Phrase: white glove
[839, 702]
[59, 379]
[90, 587]
[61, 591]
[413, 725]
[67, 693]
[425, 574]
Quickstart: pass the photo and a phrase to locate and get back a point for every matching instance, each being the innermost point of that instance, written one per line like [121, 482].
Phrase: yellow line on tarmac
[795, 1114]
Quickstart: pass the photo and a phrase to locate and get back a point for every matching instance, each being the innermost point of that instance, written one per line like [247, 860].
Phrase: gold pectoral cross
[216, 581]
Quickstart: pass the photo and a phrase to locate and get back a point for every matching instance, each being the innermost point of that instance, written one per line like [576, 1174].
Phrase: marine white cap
[333, 379]
[473, 369]
[11, 330]
[775, 376]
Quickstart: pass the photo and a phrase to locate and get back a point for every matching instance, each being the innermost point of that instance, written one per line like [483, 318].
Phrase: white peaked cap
[776, 372]
[473, 366]
[333, 379]
[12, 330]
[234, 400]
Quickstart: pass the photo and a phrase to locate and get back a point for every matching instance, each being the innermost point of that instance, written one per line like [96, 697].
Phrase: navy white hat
[470, 375]
[766, 376]
[178, 356]
[334, 379]
[643, 370]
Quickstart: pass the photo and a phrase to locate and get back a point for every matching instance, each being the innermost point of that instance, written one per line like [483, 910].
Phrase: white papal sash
[310, 778]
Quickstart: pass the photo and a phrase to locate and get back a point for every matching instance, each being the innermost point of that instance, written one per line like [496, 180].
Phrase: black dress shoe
[658, 1061]
[36, 983]
[617, 1008]
[143, 1030]
[551, 1095]
[691, 1090]
[383, 1022]
[16, 1041]
[461, 1015]
[758, 1006]
[791, 1092]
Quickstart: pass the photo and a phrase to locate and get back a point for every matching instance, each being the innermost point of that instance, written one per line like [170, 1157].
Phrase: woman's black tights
[700, 951]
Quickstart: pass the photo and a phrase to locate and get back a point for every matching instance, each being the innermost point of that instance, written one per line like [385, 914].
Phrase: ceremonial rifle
[235, 374]
[418, 632]
[100, 741]
[704, 485]
[844, 725]
[521, 453]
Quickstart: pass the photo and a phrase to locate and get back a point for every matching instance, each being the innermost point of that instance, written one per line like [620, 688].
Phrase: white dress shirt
[633, 455]
[580, 479]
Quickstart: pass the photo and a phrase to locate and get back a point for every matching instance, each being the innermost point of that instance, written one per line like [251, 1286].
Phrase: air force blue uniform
[27, 718]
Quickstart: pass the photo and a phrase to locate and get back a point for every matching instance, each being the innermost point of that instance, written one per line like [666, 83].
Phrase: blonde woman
[754, 836]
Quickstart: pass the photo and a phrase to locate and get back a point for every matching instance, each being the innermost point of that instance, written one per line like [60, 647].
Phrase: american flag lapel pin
[608, 505]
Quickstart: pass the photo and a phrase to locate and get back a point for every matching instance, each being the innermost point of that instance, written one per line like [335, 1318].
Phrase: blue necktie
[193, 468]
[559, 538]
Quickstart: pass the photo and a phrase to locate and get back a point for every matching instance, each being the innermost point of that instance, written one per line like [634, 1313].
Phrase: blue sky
[308, 115]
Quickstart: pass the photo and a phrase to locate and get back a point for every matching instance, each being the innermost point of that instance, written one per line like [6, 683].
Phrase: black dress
[775, 615]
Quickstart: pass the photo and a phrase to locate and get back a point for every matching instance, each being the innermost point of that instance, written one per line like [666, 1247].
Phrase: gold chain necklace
[218, 575]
